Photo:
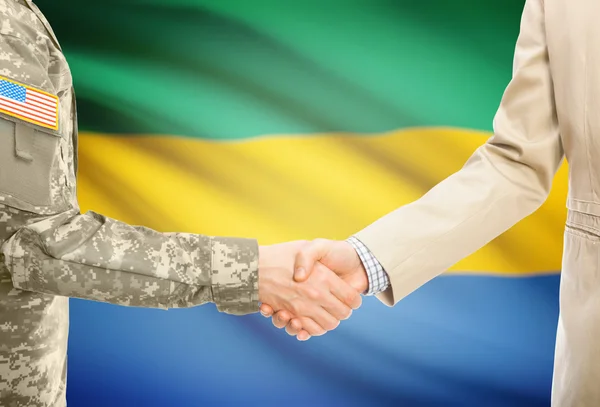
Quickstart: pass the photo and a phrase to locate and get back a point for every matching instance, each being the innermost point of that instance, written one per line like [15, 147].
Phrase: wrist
[363, 279]
[359, 280]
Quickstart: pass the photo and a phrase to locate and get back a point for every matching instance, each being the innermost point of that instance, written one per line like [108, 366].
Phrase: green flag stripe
[237, 69]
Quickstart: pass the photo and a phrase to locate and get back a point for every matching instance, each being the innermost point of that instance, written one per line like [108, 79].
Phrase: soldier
[50, 251]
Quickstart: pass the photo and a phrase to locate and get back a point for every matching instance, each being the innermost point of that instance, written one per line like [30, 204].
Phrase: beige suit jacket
[550, 109]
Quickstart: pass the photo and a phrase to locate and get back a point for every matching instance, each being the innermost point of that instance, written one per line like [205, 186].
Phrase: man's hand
[338, 256]
[317, 303]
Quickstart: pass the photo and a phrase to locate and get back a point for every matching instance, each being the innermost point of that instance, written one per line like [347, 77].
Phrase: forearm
[93, 257]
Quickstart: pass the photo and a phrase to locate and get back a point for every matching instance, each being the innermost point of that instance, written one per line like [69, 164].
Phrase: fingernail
[300, 272]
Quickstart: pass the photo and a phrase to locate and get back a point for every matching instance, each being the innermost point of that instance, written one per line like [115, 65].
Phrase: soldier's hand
[318, 304]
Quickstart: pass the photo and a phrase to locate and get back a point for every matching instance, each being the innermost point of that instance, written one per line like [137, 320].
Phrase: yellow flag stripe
[289, 187]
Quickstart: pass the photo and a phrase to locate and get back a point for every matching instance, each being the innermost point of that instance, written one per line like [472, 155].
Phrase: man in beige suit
[551, 108]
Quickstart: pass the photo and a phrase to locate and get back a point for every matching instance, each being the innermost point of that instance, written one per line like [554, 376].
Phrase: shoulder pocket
[28, 156]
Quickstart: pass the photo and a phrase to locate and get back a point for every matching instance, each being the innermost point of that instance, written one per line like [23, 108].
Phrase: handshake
[309, 287]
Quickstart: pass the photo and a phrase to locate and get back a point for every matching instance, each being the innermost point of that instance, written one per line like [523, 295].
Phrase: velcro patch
[28, 104]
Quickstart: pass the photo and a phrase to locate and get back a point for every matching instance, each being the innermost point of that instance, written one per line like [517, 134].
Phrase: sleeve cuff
[377, 277]
[234, 272]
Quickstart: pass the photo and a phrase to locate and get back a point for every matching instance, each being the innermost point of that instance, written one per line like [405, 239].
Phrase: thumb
[308, 256]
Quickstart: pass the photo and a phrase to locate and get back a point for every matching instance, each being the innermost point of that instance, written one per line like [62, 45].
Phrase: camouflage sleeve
[93, 257]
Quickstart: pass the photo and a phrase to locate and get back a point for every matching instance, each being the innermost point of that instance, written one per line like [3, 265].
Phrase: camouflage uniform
[50, 251]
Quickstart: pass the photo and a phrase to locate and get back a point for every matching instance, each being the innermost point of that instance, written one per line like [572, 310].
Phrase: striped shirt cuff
[378, 278]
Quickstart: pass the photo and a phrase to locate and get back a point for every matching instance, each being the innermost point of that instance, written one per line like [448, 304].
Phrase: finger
[281, 319]
[311, 327]
[323, 318]
[303, 336]
[308, 256]
[266, 310]
[344, 292]
[335, 308]
[294, 327]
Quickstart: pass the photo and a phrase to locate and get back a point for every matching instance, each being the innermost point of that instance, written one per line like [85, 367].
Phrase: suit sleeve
[505, 180]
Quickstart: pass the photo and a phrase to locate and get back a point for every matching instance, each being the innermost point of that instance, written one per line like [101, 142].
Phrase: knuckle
[313, 294]
[350, 298]
[321, 279]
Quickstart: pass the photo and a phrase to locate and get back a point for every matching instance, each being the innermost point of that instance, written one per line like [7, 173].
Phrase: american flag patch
[29, 104]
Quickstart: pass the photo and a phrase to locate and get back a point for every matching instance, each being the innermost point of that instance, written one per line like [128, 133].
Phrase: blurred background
[294, 120]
